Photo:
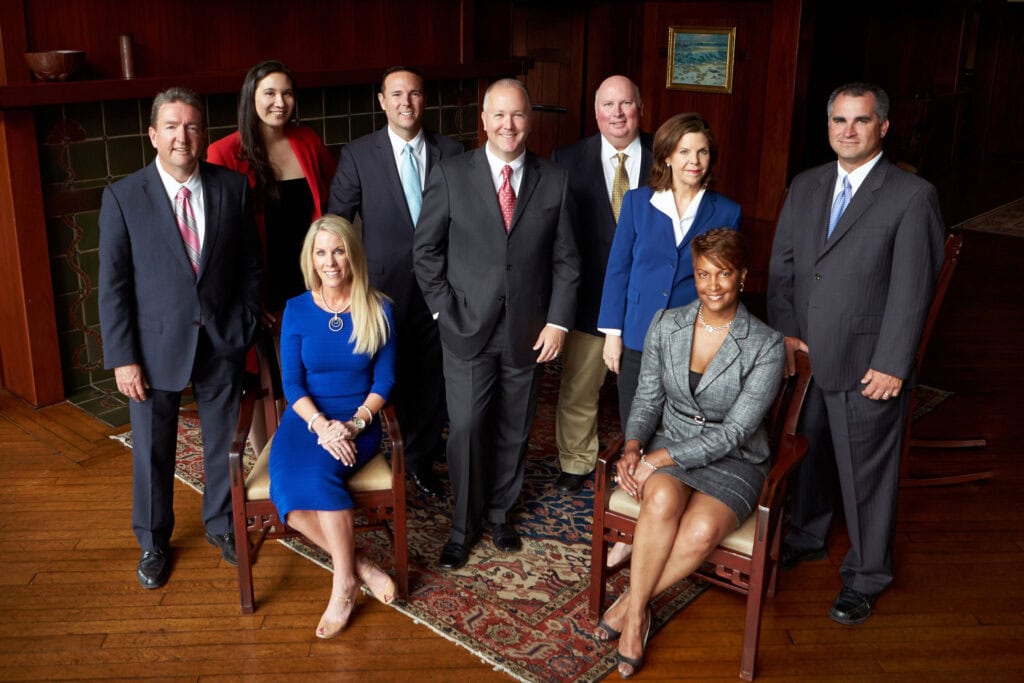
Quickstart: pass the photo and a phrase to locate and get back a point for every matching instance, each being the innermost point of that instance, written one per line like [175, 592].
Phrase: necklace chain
[711, 328]
[335, 324]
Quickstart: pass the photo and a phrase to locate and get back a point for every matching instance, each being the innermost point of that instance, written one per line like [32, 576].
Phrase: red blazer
[317, 165]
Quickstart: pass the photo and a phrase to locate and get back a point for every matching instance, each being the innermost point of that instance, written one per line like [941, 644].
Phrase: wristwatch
[359, 422]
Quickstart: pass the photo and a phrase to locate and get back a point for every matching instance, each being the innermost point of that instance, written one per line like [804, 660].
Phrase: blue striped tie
[839, 205]
[411, 184]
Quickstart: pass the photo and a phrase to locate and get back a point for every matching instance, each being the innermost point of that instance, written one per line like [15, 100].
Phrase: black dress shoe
[453, 555]
[428, 483]
[790, 557]
[851, 607]
[506, 538]
[226, 543]
[570, 483]
[154, 568]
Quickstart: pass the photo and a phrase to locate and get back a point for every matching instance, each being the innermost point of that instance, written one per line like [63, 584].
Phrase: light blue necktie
[411, 184]
[839, 205]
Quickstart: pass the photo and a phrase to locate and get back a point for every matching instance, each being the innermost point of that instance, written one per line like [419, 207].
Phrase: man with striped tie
[179, 302]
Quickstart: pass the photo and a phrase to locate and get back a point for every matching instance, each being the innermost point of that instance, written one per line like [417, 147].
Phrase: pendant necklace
[711, 328]
[335, 323]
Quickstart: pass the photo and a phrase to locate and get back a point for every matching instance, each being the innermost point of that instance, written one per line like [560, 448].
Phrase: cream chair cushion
[741, 540]
[373, 476]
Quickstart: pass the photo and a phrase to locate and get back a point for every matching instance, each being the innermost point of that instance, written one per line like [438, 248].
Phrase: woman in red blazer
[289, 169]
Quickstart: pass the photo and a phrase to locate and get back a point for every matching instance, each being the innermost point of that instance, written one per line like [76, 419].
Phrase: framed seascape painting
[700, 58]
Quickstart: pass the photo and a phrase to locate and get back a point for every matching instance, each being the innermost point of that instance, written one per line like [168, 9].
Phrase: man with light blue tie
[380, 177]
[857, 249]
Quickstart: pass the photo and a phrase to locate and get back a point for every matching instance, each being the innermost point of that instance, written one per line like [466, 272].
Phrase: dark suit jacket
[367, 183]
[152, 304]
[471, 271]
[860, 299]
[647, 272]
[592, 217]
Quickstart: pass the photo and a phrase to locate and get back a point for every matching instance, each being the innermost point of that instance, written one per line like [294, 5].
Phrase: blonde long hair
[370, 327]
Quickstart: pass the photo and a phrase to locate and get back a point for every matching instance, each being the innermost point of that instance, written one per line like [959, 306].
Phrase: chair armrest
[394, 431]
[606, 468]
[792, 449]
[250, 393]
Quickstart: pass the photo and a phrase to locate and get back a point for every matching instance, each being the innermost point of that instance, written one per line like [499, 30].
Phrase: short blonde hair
[370, 327]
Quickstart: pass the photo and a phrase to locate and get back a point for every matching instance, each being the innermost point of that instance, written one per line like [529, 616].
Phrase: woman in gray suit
[696, 451]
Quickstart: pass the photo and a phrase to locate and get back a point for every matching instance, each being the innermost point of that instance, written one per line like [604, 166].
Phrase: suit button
[817, 276]
[508, 266]
[664, 293]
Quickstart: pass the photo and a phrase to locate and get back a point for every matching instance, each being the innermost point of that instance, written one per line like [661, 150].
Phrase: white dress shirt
[610, 164]
[419, 149]
[496, 164]
[857, 177]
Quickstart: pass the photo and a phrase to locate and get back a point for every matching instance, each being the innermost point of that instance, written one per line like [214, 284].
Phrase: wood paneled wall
[173, 37]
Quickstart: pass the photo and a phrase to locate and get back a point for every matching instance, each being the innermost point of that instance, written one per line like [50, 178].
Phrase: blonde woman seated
[696, 452]
[337, 368]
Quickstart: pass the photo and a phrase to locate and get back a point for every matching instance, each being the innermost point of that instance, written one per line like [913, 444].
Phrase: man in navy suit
[381, 176]
[857, 249]
[497, 261]
[594, 164]
[179, 299]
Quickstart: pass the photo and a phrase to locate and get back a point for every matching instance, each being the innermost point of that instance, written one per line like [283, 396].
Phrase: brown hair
[667, 138]
[724, 247]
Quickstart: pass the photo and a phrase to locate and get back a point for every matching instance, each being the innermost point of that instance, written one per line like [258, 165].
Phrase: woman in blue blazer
[650, 267]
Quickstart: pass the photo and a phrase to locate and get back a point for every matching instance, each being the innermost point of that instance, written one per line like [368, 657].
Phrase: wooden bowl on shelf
[55, 65]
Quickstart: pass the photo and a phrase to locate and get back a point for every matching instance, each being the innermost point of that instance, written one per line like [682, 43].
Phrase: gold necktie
[620, 184]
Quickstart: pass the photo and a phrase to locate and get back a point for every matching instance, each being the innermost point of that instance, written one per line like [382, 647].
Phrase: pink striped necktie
[187, 226]
[507, 197]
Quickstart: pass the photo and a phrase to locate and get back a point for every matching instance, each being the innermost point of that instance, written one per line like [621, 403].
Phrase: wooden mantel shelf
[41, 94]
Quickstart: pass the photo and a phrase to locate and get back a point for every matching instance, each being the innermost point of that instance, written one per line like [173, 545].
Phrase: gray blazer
[725, 416]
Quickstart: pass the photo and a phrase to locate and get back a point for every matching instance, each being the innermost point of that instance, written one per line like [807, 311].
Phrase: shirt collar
[665, 201]
[632, 150]
[858, 174]
[398, 144]
[171, 186]
[497, 164]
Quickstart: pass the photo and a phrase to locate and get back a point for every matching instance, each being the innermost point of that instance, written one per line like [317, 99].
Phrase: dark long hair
[253, 150]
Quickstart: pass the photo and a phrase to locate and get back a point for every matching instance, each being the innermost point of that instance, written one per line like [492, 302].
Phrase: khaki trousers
[583, 373]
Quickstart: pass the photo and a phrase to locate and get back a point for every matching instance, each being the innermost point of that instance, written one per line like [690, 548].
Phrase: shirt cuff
[558, 327]
[610, 331]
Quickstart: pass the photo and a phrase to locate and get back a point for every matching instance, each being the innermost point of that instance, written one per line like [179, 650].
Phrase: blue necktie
[411, 184]
[839, 205]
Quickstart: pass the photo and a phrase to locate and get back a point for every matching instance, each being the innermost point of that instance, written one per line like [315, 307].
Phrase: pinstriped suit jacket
[733, 396]
[860, 298]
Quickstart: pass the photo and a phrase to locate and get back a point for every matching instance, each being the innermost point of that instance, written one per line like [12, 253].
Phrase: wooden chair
[378, 489]
[746, 561]
[953, 244]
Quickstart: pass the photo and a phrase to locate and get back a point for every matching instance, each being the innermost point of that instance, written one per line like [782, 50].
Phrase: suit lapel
[482, 184]
[860, 203]
[729, 351]
[163, 212]
[593, 165]
[646, 158]
[531, 177]
[680, 347]
[386, 160]
[704, 213]
[213, 198]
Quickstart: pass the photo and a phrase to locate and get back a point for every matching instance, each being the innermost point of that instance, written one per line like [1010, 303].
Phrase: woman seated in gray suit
[696, 452]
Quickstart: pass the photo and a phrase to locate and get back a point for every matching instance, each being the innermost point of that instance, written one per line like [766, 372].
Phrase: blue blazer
[646, 271]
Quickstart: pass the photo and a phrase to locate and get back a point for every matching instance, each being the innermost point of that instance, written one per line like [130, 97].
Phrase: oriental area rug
[524, 613]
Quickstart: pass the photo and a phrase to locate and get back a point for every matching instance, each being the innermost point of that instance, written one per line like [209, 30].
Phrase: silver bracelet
[309, 424]
[644, 461]
[369, 420]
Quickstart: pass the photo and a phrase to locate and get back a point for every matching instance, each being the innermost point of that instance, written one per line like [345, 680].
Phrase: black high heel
[635, 663]
[603, 630]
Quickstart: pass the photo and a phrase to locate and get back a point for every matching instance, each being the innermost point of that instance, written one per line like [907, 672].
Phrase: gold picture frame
[700, 58]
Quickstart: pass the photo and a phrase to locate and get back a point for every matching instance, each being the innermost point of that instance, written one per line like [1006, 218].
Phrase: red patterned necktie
[187, 226]
[507, 197]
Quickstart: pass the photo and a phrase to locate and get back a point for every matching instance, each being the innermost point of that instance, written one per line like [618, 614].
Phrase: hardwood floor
[70, 608]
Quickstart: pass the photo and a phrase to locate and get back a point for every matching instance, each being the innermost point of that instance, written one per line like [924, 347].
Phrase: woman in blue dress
[337, 368]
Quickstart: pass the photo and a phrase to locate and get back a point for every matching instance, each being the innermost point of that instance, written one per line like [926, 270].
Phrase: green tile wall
[84, 147]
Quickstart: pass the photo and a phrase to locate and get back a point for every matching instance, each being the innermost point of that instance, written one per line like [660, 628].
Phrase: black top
[694, 380]
[287, 221]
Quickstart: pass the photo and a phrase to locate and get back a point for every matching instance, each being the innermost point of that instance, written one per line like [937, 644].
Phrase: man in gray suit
[496, 259]
[857, 249]
[380, 176]
[601, 169]
[179, 300]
